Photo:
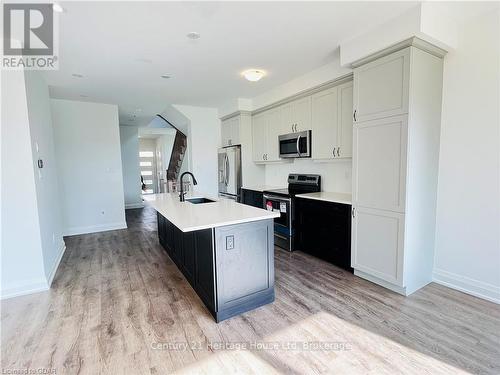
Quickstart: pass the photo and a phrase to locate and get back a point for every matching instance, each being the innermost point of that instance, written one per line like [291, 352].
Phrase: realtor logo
[29, 41]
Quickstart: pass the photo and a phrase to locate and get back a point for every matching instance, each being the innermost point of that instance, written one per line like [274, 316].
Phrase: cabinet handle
[353, 212]
[334, 151]
[338, 152]
[354, 115]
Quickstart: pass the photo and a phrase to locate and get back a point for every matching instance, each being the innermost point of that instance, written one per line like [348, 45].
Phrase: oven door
[283, 223]
[295, 145]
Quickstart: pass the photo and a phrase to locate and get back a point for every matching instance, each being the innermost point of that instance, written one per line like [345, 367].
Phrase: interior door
[381, 87]
[325, 123]
[378, 240]
[379, 163]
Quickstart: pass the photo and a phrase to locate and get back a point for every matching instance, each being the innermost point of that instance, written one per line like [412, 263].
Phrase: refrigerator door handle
[227, 170]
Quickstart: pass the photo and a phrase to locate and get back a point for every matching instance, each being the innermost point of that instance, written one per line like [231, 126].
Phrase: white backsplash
[336, 176]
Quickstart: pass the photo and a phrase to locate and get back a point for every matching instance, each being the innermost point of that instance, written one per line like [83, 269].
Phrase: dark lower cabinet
[192, 252]
[252, 198]
[323, 229]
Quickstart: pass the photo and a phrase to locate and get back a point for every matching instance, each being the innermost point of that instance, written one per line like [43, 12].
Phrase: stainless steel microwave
[295, 145]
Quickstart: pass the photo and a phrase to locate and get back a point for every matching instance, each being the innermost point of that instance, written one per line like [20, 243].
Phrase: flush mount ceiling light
[253, 75]
[166, 76]
[56, 7]
[193, 35]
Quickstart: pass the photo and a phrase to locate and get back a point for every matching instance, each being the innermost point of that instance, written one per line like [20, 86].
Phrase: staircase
[178, 153]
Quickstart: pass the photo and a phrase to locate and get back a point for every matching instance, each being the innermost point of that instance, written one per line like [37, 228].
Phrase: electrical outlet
[229, 242]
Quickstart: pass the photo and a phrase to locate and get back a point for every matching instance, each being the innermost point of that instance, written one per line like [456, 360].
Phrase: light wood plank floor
[119, 305]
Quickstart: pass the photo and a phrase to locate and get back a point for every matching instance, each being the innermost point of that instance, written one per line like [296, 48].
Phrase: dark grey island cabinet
[323, 229]
[231, 267]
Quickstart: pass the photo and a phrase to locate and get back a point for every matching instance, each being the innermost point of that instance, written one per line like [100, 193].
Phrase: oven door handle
[275, 198]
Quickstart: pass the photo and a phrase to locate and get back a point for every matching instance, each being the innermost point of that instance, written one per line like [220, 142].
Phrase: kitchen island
[223, 248]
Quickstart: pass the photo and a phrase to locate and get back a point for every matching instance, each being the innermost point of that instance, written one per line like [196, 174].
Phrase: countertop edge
[325, 199]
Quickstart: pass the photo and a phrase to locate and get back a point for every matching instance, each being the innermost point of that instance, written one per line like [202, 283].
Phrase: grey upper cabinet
[230, 131]
[381, 87]
[332, 123]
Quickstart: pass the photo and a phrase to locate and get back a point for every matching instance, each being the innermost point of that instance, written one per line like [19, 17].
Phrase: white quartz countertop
[190, 217]
[344, 198]
[261, 188]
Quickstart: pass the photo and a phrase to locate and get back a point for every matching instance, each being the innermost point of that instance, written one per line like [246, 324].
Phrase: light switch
[229, 242]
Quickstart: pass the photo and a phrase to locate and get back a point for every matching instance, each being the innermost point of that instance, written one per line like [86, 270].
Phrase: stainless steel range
[282, 201]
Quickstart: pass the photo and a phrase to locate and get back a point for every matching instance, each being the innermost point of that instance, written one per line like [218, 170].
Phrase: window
[146, 164]
[146, 154]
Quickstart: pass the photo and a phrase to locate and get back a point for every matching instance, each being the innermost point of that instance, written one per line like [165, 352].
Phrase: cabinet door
[274, 129]
[204, 267]
[301, 114]
[379, 163]
[287, 120]
[188, 261]
[225, 132]
[230, 131]
[235, 131]
[325, 124]
[381, 87]
[344, 143]
[378, 238]
[259, 137]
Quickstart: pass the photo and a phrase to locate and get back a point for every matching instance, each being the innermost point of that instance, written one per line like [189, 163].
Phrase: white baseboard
[467, 285]
[62, 250]
[385, 284]
[26, 287]
[72, 231]
[129, 206]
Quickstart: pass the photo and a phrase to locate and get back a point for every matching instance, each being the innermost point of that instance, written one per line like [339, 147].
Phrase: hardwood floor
[119, 305]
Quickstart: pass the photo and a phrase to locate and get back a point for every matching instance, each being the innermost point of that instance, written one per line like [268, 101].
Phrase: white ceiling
[122, 49]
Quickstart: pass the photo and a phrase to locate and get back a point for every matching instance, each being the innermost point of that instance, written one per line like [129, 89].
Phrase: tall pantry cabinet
[397, 115]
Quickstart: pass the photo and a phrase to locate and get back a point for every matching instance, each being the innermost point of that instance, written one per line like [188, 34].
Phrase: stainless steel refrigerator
[230, 172]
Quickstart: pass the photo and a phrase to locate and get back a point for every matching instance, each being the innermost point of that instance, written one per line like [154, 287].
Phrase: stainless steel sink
[199, 200]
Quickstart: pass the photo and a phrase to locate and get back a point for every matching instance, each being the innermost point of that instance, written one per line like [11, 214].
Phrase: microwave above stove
[295, 145]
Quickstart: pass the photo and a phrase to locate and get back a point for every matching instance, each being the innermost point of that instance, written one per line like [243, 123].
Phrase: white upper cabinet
[296, 115]
[259, 137]
[379, 163]
[345, 98]
[381, 87]
[325, 124]
[230, 131]
[332, 123]
[274, 130]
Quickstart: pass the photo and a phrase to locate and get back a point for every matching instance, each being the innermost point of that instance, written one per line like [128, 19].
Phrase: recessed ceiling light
[193, 35]
[166, 76]
[76, 75]
[56, 7]
[253, 74]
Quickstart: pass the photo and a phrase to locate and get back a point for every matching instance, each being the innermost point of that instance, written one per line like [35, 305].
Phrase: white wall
[32, 243]
[467, 253]
[21, 254]
[129, 141]
[203, 140]
[88, 154]
[46, 179]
